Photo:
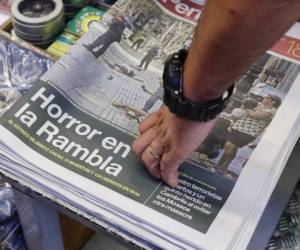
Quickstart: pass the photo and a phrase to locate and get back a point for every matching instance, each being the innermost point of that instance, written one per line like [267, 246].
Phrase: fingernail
[172, 182]
[156, 174]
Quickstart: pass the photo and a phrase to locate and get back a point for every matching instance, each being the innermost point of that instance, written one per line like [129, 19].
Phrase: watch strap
[192, 110]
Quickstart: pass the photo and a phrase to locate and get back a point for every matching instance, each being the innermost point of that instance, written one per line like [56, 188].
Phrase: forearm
[229, 37]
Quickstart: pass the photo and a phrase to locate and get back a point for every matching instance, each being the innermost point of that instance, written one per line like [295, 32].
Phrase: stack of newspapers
[70, 135]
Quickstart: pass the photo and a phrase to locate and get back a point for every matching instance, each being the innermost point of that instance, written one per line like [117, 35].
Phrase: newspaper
[76, 124]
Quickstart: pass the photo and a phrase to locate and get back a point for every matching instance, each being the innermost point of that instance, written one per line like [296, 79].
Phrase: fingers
[169, 165]
[153, 119]
[151, 157]
[143, 141]
[147, 147]
[166, 141]
[148, 123]
[157, 158]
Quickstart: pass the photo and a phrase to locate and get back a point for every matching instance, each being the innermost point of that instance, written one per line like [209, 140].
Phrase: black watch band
[174, 96]
[192, 110]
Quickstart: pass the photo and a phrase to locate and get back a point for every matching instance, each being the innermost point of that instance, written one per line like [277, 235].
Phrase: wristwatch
[174, 97]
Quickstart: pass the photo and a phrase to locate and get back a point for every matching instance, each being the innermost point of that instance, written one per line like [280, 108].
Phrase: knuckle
[140, 127]
[165, 164]
[144, 158]
[153, 166]
[171, 162]
[146, 161]
[157, 143]
[179, 154]
[166, 140]
[135, 147]
[158, 124]
[160, 112]
[161, 133]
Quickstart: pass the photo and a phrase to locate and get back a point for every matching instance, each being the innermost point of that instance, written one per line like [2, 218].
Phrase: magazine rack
[38, 214]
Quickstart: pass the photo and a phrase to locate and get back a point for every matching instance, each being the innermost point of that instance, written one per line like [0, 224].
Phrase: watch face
[173, 72]
[174, 97]
[175, 75]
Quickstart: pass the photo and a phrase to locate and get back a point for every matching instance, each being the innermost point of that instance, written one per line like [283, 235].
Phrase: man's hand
[166, 141]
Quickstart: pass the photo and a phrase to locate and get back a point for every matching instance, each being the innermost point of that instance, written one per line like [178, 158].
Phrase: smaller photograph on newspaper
[257, 97]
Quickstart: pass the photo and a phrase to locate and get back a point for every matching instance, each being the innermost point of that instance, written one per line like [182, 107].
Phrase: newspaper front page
[80, 119]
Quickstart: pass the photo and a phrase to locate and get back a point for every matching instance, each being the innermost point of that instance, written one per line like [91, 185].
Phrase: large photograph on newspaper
[85, 111]
[121, 82]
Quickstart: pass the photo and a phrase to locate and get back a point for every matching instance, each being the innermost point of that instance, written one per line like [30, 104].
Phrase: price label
[288, 46]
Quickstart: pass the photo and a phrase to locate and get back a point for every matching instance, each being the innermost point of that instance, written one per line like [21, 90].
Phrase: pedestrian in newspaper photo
[215, 141]
[247, 124]
[138, 42]
[239, 113]
[113, 34]
[149, 57]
